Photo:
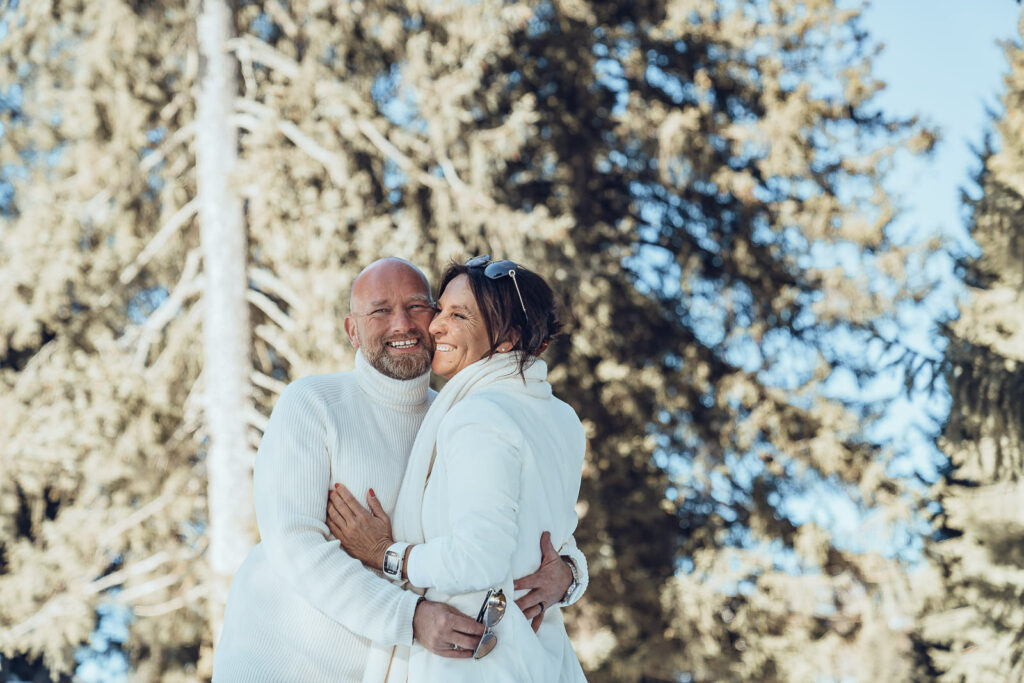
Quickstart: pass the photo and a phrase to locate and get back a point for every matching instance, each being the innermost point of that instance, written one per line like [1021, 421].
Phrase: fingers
[459, 630]
[451, 653]
[532, 607]
[348, 499]
[463, 641]
[334, 528]
[461, 624]
[335, 512]
[548, 555]
[347, 512]
[376, 509]
[526, 583]
[337, 509]
[528, 601]
[439, 627]
[547, 551]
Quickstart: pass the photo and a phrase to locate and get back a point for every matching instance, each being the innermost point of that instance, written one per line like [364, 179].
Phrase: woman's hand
[364, 534]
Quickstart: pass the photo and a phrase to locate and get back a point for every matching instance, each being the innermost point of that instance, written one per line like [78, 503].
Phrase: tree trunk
[226, 334]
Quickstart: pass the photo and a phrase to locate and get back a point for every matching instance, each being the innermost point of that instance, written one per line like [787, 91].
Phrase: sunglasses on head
[491, 613]
[498, 270]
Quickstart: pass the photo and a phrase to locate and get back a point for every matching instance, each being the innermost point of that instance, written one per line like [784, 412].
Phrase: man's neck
[401, 394]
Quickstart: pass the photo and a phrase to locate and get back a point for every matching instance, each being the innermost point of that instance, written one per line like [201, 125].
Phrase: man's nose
[401, 321]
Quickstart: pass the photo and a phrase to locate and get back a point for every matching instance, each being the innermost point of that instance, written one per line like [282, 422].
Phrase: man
[300, 609]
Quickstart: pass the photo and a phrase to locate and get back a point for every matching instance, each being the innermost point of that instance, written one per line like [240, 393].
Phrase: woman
[496, 462]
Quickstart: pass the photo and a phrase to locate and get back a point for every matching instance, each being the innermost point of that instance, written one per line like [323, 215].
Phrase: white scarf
[391, 664]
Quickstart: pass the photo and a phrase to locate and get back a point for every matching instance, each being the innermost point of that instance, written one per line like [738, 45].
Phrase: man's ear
[350, 330]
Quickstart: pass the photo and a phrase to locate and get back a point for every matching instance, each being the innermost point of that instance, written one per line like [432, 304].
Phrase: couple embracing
[450, 571]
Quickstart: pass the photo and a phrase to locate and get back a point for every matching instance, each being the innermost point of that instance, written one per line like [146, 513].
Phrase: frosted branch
[333, 163]
[256, 419]
[180, 136]
[395, 155]
[268, 282]
[173, 605]
[267, 382]
[180, 218]
[142, 514]
[193, 411]
[272, 335]
[132, 570]
[53, 609]
[191, 320]
[257, 49]
[146, 588]
[273, 311]
[462, 188]
[188, 286]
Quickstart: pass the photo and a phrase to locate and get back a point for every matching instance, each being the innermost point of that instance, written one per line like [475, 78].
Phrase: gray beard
[406, 366]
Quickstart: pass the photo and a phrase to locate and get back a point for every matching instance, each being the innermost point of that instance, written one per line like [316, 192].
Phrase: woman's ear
[509, 342]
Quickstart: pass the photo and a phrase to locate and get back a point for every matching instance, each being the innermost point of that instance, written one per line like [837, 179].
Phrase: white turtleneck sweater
[300, 609]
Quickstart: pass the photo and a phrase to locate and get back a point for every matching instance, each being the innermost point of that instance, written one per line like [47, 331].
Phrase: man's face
[391, 311]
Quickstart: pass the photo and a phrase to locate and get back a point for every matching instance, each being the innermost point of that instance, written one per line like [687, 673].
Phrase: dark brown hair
[502, 313]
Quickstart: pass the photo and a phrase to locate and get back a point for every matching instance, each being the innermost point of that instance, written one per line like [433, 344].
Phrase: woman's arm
[482, 451]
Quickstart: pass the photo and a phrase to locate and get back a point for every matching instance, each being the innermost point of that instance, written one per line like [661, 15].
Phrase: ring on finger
[541, 603]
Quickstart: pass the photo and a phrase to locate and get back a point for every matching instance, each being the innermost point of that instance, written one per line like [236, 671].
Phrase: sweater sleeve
[569, 549]
[582, 573]
[483, 465]
[291, 482]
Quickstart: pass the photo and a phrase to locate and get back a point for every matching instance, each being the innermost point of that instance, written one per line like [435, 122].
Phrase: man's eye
[379, 311]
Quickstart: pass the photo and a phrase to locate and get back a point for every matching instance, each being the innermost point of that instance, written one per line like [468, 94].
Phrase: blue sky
[941, 62]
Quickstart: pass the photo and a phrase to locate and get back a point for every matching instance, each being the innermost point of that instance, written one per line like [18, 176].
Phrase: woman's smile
[460, 336]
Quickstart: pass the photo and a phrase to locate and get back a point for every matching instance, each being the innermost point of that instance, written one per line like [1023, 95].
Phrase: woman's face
[460, 337]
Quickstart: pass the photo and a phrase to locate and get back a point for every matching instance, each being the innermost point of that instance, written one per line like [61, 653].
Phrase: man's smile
[403, 344]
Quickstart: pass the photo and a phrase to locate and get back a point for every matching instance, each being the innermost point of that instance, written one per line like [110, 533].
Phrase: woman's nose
[435, 327]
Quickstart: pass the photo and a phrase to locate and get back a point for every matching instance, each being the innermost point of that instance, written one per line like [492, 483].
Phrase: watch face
[390, 562]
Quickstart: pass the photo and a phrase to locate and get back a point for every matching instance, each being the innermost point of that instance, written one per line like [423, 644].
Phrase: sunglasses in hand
[491, 613]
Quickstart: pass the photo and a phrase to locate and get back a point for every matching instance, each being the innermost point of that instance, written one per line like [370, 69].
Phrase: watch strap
[394, 559]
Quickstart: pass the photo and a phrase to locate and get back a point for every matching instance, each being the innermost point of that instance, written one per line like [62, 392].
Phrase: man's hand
[547, 585]
[438, 627]
[364, 534]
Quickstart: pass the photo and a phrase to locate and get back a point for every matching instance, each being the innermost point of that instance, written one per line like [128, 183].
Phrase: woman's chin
[442, 369]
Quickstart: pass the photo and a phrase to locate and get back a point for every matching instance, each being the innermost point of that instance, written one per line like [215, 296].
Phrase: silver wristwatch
[394, 557]
[575, 578]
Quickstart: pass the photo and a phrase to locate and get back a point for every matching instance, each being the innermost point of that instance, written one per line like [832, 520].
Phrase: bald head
[390, 309]
[382, 270]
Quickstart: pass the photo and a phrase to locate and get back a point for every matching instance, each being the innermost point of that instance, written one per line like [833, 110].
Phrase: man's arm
[558, 580]
[292, 474]
[580, 571]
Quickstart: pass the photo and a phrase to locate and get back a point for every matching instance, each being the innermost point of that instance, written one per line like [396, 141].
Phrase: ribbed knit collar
[407, 395]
